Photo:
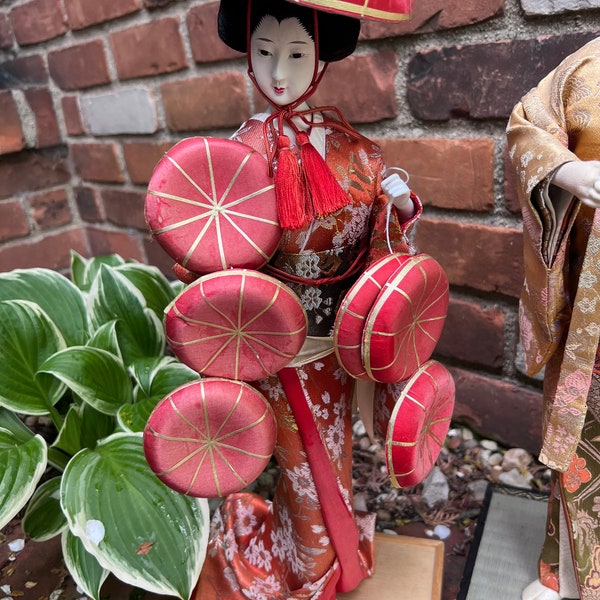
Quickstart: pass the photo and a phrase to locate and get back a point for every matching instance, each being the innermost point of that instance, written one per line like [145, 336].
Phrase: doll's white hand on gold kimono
[580, 178]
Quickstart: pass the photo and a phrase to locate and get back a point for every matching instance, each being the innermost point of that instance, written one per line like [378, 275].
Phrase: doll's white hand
[398, 193]
[580, 178]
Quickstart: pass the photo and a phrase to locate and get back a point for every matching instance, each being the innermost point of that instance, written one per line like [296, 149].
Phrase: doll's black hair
[338, 34]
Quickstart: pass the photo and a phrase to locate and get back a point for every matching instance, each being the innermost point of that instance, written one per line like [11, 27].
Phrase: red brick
[474, 334]
[504, 411]
[6, 34]
[11, 133]
[47, 131]
[482, 81]
[481, 257]
[72, 115]
[97, 162]
[80, 66]
[224, 102]
[362, 87]
[104, 242]
[435, 15]
[83, 13]
[142, 157]
[125, 208]
[151, 4]
[26, 70]
[13, 221]
[38, 21]
[446, 173]
[204, 40]
[148, 49]
[52, 251]
[158, 257]
[50, 209]
[510, 193]
[33, 170]
[88, 204]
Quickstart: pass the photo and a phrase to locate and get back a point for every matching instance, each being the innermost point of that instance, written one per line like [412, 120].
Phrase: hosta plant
[85, 356]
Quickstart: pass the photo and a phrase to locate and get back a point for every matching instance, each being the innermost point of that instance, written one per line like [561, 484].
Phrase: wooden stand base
[405, 567]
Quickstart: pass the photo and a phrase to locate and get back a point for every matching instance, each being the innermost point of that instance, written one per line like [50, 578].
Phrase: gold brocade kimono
[558, 122]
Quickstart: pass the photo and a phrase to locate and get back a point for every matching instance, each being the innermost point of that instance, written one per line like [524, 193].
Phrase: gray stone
[556, 7]
[130, 111]
[435, 488]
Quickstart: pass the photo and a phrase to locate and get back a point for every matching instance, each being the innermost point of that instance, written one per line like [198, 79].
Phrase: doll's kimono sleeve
[538, 140]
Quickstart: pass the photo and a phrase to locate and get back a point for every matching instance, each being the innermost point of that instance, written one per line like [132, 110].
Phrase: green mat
[506, 545]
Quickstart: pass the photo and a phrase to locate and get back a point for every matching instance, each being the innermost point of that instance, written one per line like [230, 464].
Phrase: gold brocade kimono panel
[556, 122]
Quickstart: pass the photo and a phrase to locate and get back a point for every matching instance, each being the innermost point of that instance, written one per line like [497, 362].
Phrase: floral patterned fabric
[265, 550]
[557, 122]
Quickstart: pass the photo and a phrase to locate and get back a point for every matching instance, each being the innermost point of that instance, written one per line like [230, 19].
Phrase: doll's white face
[283, 59]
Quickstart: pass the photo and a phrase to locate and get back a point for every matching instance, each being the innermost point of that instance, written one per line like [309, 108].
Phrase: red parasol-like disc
[210, 438]
[353, 312]
[406, 320]
[211, 206]
[419, 423]
[239, 323]
[376, 10]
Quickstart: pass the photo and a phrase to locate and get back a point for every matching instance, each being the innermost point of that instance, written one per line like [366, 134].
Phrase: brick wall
[92, 92]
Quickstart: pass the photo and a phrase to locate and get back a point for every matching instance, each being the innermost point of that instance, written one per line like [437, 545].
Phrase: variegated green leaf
[85, 270]
[157, 377]
[153, 285]
[11, 422]
[139, 330]
[61, 300]
[44, 517]
[83, 567]
[105, 338]
[96, 376]
[21, 467]
[27, 338]
[146, 534]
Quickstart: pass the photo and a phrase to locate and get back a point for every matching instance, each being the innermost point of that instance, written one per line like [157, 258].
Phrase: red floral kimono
[309, 540]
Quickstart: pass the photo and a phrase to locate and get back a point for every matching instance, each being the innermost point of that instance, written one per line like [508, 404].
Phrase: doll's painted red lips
[279, 90]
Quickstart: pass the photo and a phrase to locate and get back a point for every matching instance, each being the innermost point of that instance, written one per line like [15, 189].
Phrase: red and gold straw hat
[240, 324]
[353, 312]
[419, 423]
[211, 206]
[210, 438]
[376, 10]
[406, 320]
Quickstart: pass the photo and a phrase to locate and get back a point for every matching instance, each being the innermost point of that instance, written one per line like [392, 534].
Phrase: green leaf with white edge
[69, 437]
[85, 270]
[139, 330]
[82, 566]
[44, 518]
[105, 338]
[27, 338]
[133, 417]
[96, 376]
[58, 459]
[157, 377]
[153, 285]
[145, 533]
[95, 425]
[11, 422]
[60, 299]
[21, 467]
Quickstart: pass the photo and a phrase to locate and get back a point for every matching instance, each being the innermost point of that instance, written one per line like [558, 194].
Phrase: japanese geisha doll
[339, 213]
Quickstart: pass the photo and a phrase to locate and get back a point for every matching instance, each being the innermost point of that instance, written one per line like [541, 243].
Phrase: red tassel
[289, 188]
[323, 188]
